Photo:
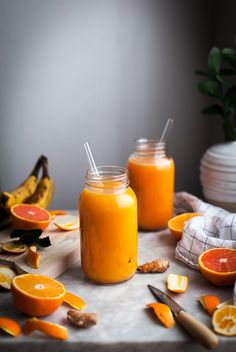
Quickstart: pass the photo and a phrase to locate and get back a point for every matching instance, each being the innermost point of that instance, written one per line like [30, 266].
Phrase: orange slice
[14, 247]
[218, 265]
[29, 216]
[224, 320]
[55, 330]
[177, 283]
[56, 212]
[163, 313]
[10, 326]
[33, 257]
[176, 224]
[6, 277]
[67, 223]
[209, 303]
[74, 301]
[37, 295]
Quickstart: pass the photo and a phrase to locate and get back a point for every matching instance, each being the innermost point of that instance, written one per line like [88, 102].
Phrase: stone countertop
[124, 322]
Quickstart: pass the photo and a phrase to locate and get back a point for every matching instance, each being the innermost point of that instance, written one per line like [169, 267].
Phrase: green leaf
[227, 72]
[213, 110]
[230, 56]
[31, 237]
[215, 60]
[44, 242]
[201, 73]
[222, 81]
[209, 88]
[230, 97]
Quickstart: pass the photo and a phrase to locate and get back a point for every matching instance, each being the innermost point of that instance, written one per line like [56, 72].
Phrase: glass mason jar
[151, 174]
[108, 219]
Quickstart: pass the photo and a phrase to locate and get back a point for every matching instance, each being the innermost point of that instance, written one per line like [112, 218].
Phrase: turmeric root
[81, 319]
[156, 266]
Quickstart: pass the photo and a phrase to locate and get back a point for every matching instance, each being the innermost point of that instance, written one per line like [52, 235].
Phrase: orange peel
[10, 326]
[163, 313]
[33, 257]
[54, 330]
[6, 277]
[74, 301]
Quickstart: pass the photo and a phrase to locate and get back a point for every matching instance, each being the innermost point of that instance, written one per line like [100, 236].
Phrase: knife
[199, 331]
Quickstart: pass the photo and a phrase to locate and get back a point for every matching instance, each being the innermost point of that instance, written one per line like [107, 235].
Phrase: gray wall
[103, 71]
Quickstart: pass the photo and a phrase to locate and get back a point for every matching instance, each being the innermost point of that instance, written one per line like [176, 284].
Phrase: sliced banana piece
[6, 276]
[67, 222]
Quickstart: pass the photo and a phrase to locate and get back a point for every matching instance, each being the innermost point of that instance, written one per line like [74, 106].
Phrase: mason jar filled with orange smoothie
[108, 219]
[151, 174]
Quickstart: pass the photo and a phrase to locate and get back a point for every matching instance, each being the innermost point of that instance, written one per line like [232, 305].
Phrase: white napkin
[217, 228]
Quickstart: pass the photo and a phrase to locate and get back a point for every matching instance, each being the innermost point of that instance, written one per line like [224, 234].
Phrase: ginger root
[81, 319]
[156, 266]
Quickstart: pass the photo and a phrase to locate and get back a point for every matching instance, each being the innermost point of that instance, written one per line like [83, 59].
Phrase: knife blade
[195, 328]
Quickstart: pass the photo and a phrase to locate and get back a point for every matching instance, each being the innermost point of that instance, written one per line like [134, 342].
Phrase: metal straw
[91, 159]
[166, 130]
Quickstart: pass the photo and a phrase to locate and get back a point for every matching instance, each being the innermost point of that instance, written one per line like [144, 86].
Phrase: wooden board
[55, 259]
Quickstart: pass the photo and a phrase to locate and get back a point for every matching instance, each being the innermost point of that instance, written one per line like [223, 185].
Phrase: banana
[24, 191]
[45, 189]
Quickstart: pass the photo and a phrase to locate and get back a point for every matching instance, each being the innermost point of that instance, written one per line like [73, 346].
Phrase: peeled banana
[45, 189]
[24, 191]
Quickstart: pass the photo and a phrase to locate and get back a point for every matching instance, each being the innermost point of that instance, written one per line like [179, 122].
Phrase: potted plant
[218, 165]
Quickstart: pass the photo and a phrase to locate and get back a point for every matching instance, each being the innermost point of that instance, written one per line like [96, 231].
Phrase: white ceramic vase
[218, 175]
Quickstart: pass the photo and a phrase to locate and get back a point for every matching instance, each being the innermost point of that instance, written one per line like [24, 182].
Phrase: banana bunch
[45, 189]
[32, 191]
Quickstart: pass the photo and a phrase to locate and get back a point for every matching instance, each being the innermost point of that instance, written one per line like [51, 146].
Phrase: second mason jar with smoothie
[151, 174]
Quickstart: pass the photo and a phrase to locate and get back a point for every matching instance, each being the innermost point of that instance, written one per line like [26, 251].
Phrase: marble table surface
[124, 322]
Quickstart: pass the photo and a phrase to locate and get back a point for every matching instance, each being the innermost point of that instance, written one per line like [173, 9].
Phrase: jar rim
[117, 176]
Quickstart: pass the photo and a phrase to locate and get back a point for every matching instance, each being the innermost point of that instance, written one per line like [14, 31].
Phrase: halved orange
[10, 326]
[218, 265]
[177, 223]
[55, 330]
[37, 295]
[29, 216]
[224, 320]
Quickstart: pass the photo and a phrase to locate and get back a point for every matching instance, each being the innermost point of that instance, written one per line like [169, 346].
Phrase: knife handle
[198, 330]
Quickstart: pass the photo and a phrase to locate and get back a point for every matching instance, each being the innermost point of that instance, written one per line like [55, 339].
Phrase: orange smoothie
[108, 218]
[152, 179]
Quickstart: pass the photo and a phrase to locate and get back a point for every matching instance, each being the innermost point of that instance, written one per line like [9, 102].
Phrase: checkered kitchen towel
[217, 228]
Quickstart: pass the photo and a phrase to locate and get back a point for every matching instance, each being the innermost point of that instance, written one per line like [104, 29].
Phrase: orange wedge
[176, 224]
[209, 303]
[67, 223]
[163, 313]
[10, 326]
[177, 283]
[37, 295]
[74, 301]
[55, 330]
[33, 257]
[14, 247]
[224, 320]
[6, 276]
